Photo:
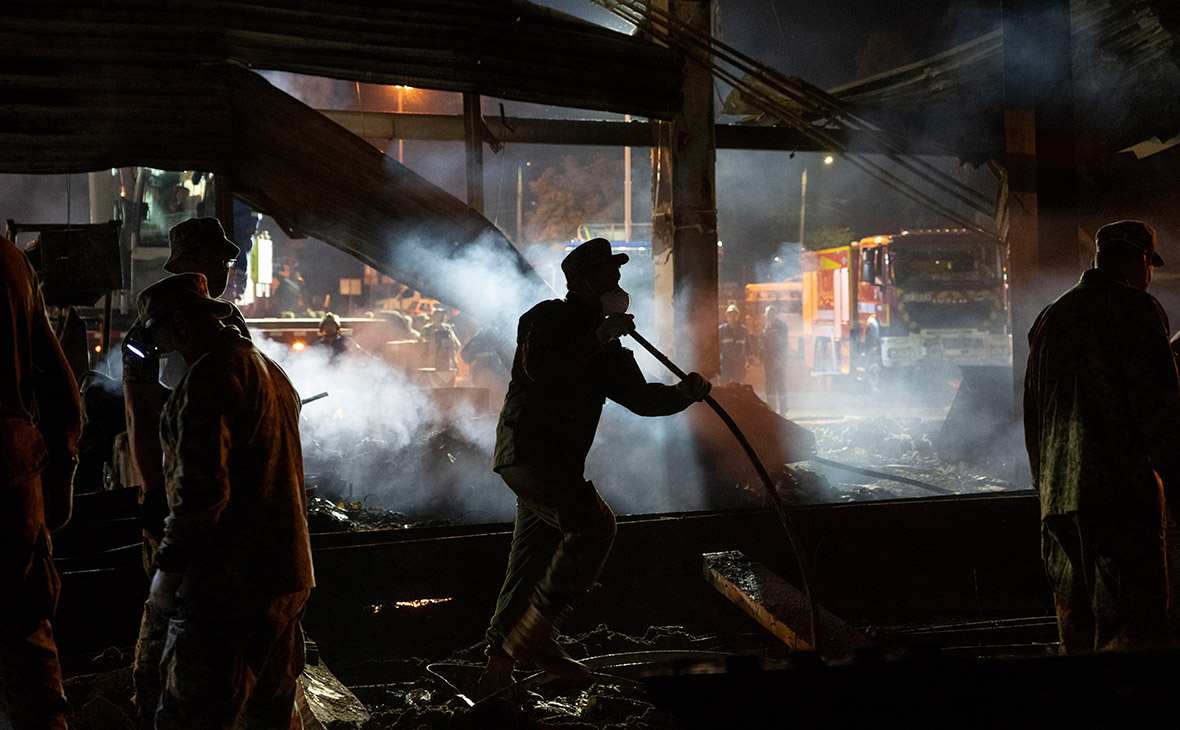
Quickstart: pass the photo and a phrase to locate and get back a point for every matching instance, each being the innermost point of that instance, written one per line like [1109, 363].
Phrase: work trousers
[232, 664]
[561, 540]
[30, 670]
[1110, 583]
[776, 385]
[29, 665]
[145, 671]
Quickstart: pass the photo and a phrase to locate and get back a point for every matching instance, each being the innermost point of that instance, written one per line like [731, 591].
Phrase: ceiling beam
[523, 130]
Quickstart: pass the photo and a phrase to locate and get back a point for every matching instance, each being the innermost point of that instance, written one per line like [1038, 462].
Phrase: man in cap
[233, 569]
[197, 246]
[1101, 424]
[568, 361]
[40, 424]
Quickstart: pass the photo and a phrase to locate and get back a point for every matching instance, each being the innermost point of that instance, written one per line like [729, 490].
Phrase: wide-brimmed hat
[179, 292]
[200, 239]
[1136, 233]
[592, 253]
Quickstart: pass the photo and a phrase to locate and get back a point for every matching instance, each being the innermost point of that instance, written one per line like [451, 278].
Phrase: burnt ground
[420, 691]
[423, 693]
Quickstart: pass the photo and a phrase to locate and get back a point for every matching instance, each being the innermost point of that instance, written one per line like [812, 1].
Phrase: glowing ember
[419, 603]
[297, 345]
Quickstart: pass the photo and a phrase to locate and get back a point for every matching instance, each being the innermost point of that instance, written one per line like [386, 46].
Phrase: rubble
[908, 448]
[419, 693]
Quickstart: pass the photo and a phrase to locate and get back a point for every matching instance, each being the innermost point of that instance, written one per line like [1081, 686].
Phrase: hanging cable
[665, 27]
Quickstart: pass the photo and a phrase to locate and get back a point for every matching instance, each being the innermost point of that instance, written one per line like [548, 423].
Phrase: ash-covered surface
[444, 474]
[441, 477]
[910, 448]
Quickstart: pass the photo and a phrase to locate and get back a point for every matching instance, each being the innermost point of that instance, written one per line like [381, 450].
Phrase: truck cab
[900, 302]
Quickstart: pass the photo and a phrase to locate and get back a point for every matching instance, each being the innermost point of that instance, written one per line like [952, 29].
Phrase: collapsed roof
[89, 86]
[1126, 63]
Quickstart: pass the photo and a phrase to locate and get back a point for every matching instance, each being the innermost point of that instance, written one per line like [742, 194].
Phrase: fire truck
[899, 303]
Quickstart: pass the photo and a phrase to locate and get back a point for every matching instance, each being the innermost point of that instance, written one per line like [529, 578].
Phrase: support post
[473, 136]
[684, 215]
[1038, 120]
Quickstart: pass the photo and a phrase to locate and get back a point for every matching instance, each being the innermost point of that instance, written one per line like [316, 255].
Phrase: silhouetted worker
[40, 424]
[734, 341]
[444, 343]
[774, 351]
[568, 362]
[1101, 424]
[332, 340]
[197, 246]
[488, 370]
[233, 569]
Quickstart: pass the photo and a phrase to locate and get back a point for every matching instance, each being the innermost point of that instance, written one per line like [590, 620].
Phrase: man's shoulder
[548, 309]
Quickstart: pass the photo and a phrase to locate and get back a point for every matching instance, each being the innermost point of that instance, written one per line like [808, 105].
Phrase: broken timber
[776, 604]
[324, 703]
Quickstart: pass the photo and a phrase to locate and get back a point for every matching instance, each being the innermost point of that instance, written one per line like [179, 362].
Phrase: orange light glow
[420, 602]
[297, 345]
[98, 348]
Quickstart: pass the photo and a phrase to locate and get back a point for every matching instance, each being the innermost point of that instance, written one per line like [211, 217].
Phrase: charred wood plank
[776, 604]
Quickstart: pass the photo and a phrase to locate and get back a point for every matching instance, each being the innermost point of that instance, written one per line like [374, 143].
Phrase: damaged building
[869, 565]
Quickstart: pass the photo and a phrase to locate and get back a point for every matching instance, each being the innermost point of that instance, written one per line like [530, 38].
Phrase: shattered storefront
[411, 525]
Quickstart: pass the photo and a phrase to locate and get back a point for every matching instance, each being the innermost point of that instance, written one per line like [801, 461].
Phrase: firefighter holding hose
[568, 361]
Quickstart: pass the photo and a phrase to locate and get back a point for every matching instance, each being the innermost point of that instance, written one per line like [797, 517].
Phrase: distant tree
[575, 195]
[821, 238]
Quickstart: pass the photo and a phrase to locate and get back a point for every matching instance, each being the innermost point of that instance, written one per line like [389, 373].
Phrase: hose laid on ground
[784, 516]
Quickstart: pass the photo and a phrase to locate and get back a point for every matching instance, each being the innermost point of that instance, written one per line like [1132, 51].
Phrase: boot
[497, 673]
[533, 641]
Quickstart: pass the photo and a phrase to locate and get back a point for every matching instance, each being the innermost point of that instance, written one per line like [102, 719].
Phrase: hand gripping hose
[783, 515]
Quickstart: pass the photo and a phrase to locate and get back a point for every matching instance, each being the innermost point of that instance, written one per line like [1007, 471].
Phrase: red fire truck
[897, 303]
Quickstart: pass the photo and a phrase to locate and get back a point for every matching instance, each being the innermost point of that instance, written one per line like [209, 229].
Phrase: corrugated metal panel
[88, 86]
[282, 158]
[505, 48]
[1126, 69]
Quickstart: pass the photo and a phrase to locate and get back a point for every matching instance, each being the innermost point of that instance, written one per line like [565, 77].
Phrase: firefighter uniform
[561, 376]
[734, 341]
[1102, 421]
[38, 455]
[236, 534]
[774, 351]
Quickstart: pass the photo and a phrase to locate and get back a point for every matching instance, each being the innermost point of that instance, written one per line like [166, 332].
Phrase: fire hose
[767, 482]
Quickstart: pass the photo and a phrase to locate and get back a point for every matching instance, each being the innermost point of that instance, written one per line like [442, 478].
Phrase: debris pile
[439, 477]
[909, 448]
[419, 693]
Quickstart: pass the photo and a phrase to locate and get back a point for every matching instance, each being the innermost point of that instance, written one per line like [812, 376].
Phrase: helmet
[329, 317]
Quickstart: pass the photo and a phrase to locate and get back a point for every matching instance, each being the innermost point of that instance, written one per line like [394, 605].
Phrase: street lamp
[803, 197]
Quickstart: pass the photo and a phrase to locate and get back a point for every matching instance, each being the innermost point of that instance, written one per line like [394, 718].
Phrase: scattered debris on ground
[411, 696]
[907, 448]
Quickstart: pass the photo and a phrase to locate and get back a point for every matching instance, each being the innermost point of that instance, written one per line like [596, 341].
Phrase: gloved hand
[694, 387]
[162, 596]
[615, 326]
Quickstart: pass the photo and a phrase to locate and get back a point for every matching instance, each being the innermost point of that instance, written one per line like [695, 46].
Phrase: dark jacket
[1102, 402]
[561, 377]
[40, 418]
[774, 345]
[734, 341]
[234, 470]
